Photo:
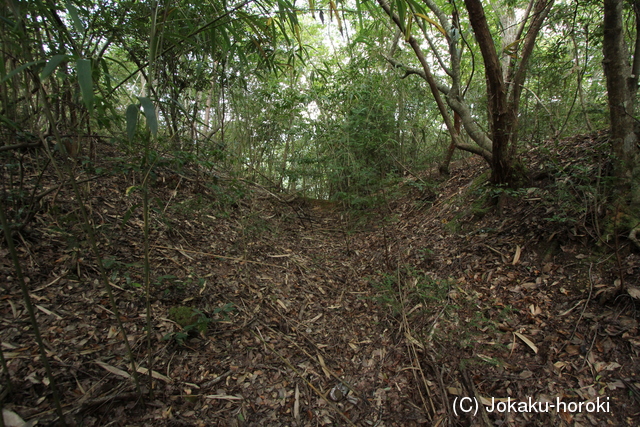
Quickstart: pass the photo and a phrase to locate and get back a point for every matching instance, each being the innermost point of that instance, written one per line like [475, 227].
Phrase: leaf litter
[318, 316]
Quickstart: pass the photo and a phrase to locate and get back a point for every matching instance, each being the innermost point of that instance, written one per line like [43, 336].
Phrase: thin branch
[539, 101]
[32, 316]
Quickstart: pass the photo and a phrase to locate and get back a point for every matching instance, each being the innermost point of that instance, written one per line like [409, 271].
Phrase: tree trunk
[444, 167]
[503, 93]
[621, 87]
[499, 116]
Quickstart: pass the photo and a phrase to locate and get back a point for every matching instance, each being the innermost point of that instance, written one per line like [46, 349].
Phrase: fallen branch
[19, 146]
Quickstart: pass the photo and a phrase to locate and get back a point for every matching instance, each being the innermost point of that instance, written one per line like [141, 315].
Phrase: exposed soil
[314, 315]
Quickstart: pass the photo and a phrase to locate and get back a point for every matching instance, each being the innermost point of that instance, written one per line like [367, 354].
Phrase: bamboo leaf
[154, 374]
[432, 22]
[129, 212]
[359, 13]
[527, 341]
[51, 66]
[296, 29]
[113, 369]
[150, 114]
[513, 45]
[337, 14]
[407, 30]
[20, 69]
[75, 18]
[132, 120]
[402, 11]
[85, 80]
[9, 22]
[516, 257]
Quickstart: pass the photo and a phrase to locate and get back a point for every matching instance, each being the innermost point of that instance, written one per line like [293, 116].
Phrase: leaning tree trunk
[499, 117]
[503, 93]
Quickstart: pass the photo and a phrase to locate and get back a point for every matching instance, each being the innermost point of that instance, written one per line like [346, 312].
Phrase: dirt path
[320, 317]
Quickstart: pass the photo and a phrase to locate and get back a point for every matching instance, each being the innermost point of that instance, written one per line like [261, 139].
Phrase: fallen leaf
[296, 404]
[572, 349]
[113, 369]
[49, 312]
[516, 257]
[527, 341]
[535, 310]
[454, 391]
[633, 291]
[113, 331]
[613, 366]
[526, 374]
[154, 374]
[11, 419]
[324, 367]
[412, 340]
[223, 397]
[616, 384]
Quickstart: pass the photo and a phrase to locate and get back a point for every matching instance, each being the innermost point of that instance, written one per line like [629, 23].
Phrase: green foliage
[564, 94]
[189, 318]
[579, 192]
[85, 79]
[122, 274]
[193, 321]
[387, 292]
[414, 288]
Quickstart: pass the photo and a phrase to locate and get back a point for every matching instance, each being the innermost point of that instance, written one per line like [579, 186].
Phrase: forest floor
[313, 316]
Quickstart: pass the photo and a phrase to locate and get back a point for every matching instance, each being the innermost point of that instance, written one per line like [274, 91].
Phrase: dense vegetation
[325, 99]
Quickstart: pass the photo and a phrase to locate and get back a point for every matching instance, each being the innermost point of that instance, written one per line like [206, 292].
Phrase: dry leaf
[324, 367]
[223, 397]
[154, 374]
[615, 384]
[572, 349]
[527, 341]
[633, 291]
[315, 318]
[113, 331]
[296, 404]
[113, 369]
[613, 366]
[516, 257]
[535, 310]
[412, 340]
[49, 312]
[454, 391]
[11, 419]
[526, 374]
